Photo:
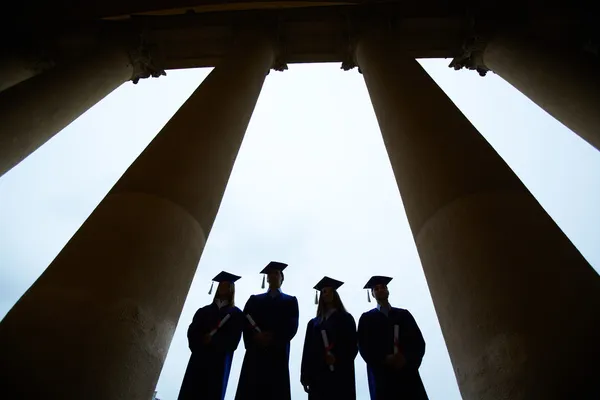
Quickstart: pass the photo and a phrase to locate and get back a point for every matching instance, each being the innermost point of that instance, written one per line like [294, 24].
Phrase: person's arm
[229, 335]
[288, 327]
[411, 341]
[196, 331]
[248, 331]
[367, 342]
[347, 346]
[307, 365]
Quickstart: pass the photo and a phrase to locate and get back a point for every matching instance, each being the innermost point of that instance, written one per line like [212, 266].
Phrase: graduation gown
[376, 341]
[207, 372]
[323, 383]
[265, 372]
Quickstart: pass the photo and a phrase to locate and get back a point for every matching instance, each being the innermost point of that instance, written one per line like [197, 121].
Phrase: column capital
[144, 62]
[279, 48]
[268, 29]
[366, 23]
[471, 56]
[351, 33]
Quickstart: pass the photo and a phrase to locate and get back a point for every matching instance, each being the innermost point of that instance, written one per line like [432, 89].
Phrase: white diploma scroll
[326, 343]
[251, 320]
[396, 335]
[221, 323]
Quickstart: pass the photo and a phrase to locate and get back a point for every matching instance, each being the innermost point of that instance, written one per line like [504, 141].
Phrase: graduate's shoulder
[252, 302]
[368, 316]
[370, 313]
[402, 312]
[235, 310]
[204, 312]
[347, 316]
[205, 308]
[288, 297]
[257, 297]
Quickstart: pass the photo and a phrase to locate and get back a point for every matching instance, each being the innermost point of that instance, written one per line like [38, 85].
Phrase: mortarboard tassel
[368, 296]
[263, 284]
[316, 297]
[211, 287]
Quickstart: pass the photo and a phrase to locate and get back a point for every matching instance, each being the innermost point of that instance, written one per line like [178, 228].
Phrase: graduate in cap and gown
[213, 336]
[392, 345]
[271, 323]
[330, 347]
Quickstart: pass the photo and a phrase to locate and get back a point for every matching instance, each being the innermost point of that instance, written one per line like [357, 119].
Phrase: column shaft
[15, 69]
[36, 109]
[98, 323]
[518, 305]
[566, 85]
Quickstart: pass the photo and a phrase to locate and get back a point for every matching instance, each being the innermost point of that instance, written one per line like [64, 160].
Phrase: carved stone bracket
[364, 21]
[350, 35]
[144, 62]
[473, 47]
[279, 63]
[348, 64]
[472, 55]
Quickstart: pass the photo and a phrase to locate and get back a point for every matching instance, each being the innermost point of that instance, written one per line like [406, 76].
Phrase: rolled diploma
[249, 317]
[221, 323]
[326, 343]
[396, 334]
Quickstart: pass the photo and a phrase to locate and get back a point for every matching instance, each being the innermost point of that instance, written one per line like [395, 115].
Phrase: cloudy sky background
[312, 186]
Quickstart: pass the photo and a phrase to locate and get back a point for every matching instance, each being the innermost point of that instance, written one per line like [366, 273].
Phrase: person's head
[380, 293]
[377, 286]
[275, 278]
[226, 287]
[329, 299]
[274, 274]
[226, 291]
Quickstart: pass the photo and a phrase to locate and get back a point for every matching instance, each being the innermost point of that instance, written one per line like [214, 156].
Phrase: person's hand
[306, 388]
[329, 359]
[206, 339]
[268, 338]
[263, 339]
[259, 338]
[396, 361]
[389, 360]
[399, 360]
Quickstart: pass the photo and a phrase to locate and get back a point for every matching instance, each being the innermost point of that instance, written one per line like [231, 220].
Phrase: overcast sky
[312, 186]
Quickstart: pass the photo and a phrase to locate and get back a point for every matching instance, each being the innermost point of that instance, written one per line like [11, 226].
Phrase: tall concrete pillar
[566, 84]
[518, 305]
[36, 109]
[99, 321]
[16, 68]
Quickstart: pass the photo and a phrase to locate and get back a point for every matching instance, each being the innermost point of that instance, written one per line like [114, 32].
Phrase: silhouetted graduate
[330, 347]
[271, 323]
[392, 345]
[213, 336]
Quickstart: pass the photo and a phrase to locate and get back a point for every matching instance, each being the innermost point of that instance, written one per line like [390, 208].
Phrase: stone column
[99, 321]
[566, 84]
[36, 109]
[518, 305]
[16, 68]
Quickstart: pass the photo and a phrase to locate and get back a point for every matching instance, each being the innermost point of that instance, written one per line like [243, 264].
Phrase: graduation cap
[272, 266]
[374, 281]
[223, 277]
[326, 282]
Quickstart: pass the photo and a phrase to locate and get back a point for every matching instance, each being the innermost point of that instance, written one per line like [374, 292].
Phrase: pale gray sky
[312, 186]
